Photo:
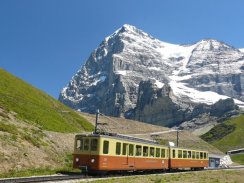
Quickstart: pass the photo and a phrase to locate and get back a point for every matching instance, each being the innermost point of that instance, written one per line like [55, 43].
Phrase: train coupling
[84, 169]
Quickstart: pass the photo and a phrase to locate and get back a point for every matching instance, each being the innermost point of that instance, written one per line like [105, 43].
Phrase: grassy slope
[233, 140]
[238, 158]
[36, 107]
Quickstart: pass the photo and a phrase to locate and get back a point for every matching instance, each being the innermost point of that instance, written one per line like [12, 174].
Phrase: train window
[93, 144]
[131, 149]
[138, 150]
[205, 155]
[173, 153]
[152, 149]
[105, 146]
[145, 151]
[184, 154]
[197, 155]
[193, 154]
[118, 148]
[201, 155]
[86, 144]
[157, 152]
[162, 153]
[189, 154]
[179, 153]
[124, 148]
[79, 144]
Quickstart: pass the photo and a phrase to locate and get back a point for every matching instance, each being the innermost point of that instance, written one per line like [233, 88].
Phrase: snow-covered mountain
[134, 75]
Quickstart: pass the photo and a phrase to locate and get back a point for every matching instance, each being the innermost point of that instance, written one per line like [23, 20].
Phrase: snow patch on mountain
[76, 98]
[159, 84]
[207, 97]
[100, 79]
[154, 68]
[121, 72]
[179, 52]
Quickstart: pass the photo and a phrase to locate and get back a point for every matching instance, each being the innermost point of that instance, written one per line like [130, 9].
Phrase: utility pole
[97, 116]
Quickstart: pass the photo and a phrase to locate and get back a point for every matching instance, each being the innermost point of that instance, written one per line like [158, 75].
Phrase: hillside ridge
[227, 135]
[36, 107]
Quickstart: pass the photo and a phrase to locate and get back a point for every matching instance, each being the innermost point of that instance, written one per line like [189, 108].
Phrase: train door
[128, 152]
[85, 158]
[93, 148]
[87, 146]
[90, 149]
[170, 157]
[131, 156]
[125, 153]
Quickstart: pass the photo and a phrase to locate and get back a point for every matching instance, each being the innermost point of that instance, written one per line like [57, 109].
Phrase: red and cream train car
[104, 153]
[187, 158]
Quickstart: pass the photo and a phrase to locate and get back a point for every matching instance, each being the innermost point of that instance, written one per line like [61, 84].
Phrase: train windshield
[86, 144]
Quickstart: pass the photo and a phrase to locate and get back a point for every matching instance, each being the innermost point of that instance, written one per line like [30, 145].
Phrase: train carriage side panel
[105, 153]
[186, 158]
[125, 155]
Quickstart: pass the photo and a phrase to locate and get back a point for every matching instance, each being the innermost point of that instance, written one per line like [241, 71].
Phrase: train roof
[122, 137]
[132, 139]
[190, 149]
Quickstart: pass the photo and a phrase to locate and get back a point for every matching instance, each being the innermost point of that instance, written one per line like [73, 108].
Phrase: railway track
[44, 178]
[77, 176]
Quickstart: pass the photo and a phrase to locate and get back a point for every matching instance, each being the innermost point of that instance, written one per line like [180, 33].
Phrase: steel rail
[80, 176]
[43, 178]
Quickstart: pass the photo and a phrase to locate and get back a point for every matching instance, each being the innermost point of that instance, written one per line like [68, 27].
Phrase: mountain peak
[211, 41]
[127, 31]
[128, 27]
[212, 44]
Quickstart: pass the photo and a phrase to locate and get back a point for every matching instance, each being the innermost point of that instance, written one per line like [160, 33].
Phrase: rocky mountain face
[133, 75]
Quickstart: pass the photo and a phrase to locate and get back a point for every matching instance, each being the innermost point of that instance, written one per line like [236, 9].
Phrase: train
[103, 153]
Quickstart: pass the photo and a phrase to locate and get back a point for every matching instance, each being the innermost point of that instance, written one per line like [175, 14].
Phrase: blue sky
[45, 42]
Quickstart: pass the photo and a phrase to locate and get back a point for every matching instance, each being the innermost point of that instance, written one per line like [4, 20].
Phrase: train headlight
[77, 160]
[92, 160]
